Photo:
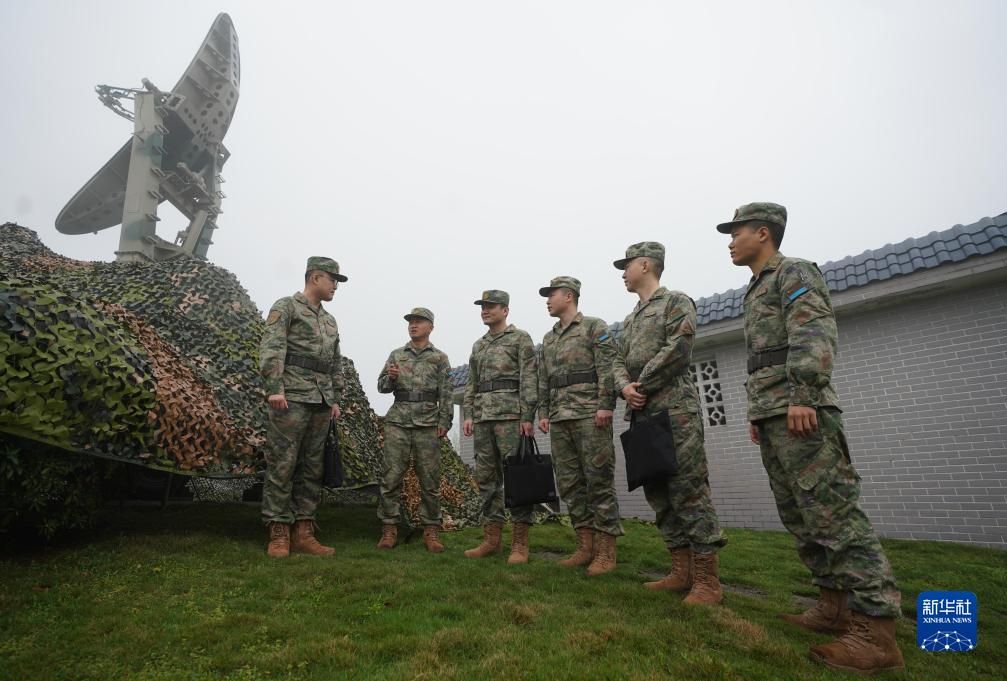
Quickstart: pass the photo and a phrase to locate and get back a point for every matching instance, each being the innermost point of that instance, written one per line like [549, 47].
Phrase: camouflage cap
[494, 297]
[769, 212]
[644, 249]
[419, 313]
[317, 262]
[560, 282]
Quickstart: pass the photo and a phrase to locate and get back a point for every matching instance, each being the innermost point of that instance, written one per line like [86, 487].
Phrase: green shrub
[47, 491]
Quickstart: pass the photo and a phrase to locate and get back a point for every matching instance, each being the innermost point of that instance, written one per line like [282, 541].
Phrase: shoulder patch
[274, 316]
[797, 292]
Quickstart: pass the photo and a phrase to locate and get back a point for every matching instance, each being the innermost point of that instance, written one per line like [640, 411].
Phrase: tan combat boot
[585, 549]
[490, 543]
[431, 540]
[519, 545]
[279, 540]
[388, 535]
[867, 648]
[604, 555]
[680, 577]
[303, 540]
[829, 615]
[706, 589]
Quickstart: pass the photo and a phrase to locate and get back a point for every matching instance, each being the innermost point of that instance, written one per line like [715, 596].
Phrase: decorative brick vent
[707, 380]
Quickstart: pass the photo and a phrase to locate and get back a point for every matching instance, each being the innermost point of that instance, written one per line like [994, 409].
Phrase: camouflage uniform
[790, 329]
[655, 349]
[500, 394]
[575, 382]
[298, 333]
[422, 405]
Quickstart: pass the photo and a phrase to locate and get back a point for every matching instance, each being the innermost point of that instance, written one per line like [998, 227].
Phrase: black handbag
[332, 473]
[649, 448]
[528, 477]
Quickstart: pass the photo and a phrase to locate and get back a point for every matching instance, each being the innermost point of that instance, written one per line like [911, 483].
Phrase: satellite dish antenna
[176, 154]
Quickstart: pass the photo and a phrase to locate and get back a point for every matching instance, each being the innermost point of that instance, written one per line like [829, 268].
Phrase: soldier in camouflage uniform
[792, 338]
[417, 374]
[300, 363]
[576, 401]
[499, 408]
[651, 373]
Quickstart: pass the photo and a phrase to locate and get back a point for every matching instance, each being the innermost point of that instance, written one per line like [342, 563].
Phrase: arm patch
[794, 295]
[274, 316]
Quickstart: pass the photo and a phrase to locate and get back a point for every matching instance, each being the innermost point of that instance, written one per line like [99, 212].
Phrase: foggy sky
[436, 149]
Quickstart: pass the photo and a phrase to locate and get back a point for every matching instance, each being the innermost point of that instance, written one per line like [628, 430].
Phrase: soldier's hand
[277, 402]
[467, 428]
[802, 421]
[527, 428]
[393, 372]
[441, 432]
[603, 418]
[336, 412]
[543, 425]
[633, 396]
[753, 433]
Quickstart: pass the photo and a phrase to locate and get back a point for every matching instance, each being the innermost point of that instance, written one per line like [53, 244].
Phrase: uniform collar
[771, 266]
[409, 347]
[659, 293]
[490, 336]
[302, 299]
[558, 326]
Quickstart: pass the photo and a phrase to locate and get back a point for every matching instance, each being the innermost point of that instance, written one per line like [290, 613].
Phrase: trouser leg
[427, 455]
[394, 463]
[284, 433]
[306, 491]
[837, 541]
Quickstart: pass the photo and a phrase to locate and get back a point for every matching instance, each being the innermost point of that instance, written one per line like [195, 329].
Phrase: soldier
[417, 374]
[794, 415]
[300, 362]
[576, 401]
[651, 373]
[499, 408]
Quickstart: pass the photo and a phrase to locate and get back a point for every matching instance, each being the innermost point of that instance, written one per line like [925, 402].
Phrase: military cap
[767, 212]
[560, 282]
[317, 262]
[644, 249]
[419, 313]
[494, 297]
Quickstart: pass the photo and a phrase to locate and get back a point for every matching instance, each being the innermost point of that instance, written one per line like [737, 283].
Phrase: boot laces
[858, 636]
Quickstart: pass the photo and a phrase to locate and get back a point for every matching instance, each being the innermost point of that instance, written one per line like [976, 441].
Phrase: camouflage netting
[156, 363]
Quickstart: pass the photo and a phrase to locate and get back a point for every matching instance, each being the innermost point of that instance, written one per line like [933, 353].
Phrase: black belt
[415, 395]
[308, 363]
[573, 379]
[768, 358]
[499, 384]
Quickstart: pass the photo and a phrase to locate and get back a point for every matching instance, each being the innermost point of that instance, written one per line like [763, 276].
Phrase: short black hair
[775, 230]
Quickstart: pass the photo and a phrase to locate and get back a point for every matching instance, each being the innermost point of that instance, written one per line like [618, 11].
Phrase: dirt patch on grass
[744, 590]
[804, 601]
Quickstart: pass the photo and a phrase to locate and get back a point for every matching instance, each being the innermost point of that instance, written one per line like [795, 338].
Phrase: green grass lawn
[188, 593]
